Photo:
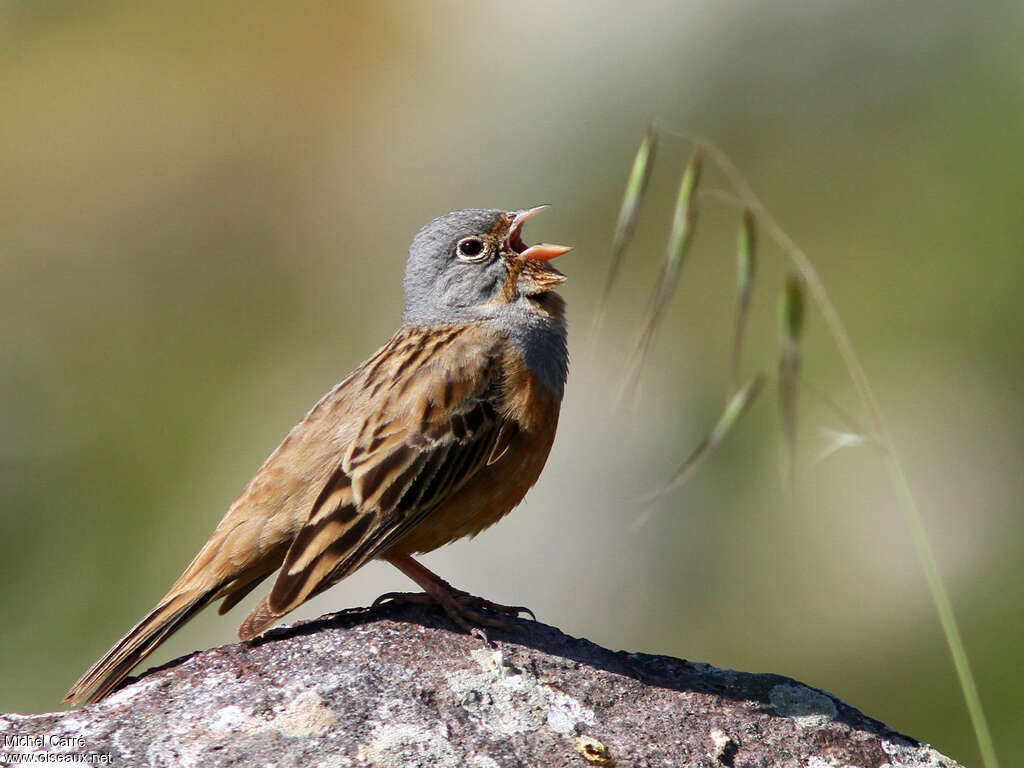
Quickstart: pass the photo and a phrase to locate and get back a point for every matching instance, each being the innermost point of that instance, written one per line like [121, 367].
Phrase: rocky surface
[397, 686]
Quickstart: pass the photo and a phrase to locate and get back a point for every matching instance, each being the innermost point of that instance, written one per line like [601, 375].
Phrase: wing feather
[427, 431]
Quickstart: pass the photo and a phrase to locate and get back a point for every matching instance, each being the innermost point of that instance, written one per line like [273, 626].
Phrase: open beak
[539, 252]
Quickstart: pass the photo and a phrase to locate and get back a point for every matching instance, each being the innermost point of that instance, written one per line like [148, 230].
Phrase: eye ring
[471, 249]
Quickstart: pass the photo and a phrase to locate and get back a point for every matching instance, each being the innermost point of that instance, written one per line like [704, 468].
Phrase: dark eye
[470, 248]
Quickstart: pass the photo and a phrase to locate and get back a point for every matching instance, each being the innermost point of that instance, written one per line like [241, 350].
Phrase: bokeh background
[204, 212]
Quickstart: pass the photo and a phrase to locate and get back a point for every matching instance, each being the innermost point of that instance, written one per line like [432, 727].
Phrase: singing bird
[435, 437]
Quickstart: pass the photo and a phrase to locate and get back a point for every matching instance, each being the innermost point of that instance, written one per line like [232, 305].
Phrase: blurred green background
[204, 213]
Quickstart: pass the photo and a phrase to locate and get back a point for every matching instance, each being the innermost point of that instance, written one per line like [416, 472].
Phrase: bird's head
[474, 265]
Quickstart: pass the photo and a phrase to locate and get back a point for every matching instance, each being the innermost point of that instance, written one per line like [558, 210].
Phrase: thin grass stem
[908, 504]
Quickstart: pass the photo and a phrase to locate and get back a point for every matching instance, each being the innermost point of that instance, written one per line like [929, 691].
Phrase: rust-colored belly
[496, 489]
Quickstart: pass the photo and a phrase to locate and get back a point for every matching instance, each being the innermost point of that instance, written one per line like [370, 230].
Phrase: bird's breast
[530, 408]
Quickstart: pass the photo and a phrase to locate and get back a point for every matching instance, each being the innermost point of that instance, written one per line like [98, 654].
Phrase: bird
[435, 437]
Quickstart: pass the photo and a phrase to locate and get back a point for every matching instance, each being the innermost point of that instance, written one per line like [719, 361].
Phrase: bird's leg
[461, 607]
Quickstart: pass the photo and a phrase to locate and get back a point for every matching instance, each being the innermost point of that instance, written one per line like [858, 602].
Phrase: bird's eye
[470, 249]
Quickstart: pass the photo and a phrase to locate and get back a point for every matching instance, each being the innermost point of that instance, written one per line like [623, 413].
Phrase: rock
[398, 686]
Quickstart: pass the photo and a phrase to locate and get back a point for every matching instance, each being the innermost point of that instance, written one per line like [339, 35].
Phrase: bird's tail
[109, 672]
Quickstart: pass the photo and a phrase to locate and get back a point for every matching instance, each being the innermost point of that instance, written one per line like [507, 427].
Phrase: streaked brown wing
[429, 428]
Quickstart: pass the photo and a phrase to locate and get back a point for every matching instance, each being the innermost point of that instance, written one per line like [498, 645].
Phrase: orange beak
[539, 252]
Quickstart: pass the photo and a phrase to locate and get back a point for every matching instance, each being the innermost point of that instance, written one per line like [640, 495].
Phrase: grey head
[472, 266]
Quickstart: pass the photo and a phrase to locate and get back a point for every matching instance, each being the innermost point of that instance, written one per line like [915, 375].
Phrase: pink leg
[461, 607]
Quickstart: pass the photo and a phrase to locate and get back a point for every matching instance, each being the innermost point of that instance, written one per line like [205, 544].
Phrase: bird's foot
[466, 610]
[462, 604]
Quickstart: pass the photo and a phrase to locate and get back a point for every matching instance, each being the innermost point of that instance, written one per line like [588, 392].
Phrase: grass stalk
[866, 394]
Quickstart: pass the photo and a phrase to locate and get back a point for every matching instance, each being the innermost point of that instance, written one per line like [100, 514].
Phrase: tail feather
[264, 615]
[240, 588]
[109, 672]
[260, 619]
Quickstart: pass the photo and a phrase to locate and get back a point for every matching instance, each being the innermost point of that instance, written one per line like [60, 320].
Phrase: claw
[464, 609]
